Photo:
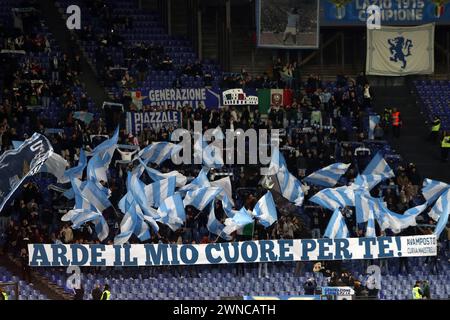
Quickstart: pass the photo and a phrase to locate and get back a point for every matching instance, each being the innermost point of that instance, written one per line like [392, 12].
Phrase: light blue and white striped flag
[155, 175]
[240, 219]
[368, 181]
[265, 210]
[379, 166]
[77, 171]
[373, 121]
[328, 176]
[137, 189]
[201, 181]
[336, 229]
[432, 189]
[200, 198]
[277, 162]
[158, 152]
[370, 228]
[172, 212]
[101, 158]
[440, 212]
[330, 199]
[397, 222]
[290, 186]
[210, 155]
[157, 191]
[215, 226]
[225, 184]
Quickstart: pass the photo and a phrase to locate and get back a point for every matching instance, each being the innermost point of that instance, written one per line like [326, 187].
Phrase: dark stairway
[57, 26]
[412, 145]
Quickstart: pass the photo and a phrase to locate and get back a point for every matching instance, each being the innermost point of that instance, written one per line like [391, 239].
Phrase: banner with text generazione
[230, 252]
[400, 51]
[178, 98]
[392, 12]
[138, 121]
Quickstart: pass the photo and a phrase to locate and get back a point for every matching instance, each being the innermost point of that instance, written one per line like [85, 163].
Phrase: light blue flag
[370, 228]
[373, 121]
[240, 219]
[215, 226]
[379, 166]
[158, 152]
[328, 176]
[369, 181]
[77, 171]
[336, 228]
[172, 212]
[210, 155]
[329, 199]
[440, 212]
[433, 189]
[201, 181]
[363, 206]
[155, 175]
[101, 158]
[200, 198]
[227, 206]
[96, 196]
[157, 191]
[397, 222]
[84, 116]
[265, 210]
[290, 186]
[277, 162]
[137, 190]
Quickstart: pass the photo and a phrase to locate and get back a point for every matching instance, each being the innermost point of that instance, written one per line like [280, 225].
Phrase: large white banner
[399, 51]
[56, 255]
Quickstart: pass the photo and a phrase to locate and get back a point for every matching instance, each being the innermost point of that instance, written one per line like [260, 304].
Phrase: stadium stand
[130, 50]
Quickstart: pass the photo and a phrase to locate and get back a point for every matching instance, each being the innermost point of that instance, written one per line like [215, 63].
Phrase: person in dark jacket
[310, 286]
[96, 293]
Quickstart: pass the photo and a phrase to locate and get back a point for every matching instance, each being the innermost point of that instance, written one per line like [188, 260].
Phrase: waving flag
[101, 158]
[370, 229]
[433, 189]
[201, 181]
[155, 175]
[379, 166]
[214, 226]
[290, 186]
[225, 185]
[137, 190]
[397, 222]
[364, 205]
[329, 199]
[336, 229]
[265, 210]
[277, 162]
[172, 212]
[373, 121]
[157, 191]
[87, 207]
[200, 198]
[56, 165]
[158, 152]
[328, 176]
[440, 212]
[239, 220]
[368, 181]
[77, 171]
[18, 164]
[210, 155]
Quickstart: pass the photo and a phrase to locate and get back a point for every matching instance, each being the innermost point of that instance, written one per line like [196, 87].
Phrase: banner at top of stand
[393, 12]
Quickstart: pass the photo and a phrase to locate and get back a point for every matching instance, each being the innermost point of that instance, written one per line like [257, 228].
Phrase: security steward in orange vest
[396, 122]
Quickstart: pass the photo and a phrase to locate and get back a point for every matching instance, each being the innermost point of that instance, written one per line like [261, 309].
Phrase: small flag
[336, 229]
[328, 176]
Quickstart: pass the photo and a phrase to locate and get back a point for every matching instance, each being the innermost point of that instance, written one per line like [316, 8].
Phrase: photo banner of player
[287, 24]
[400, 51]
[58, 255]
